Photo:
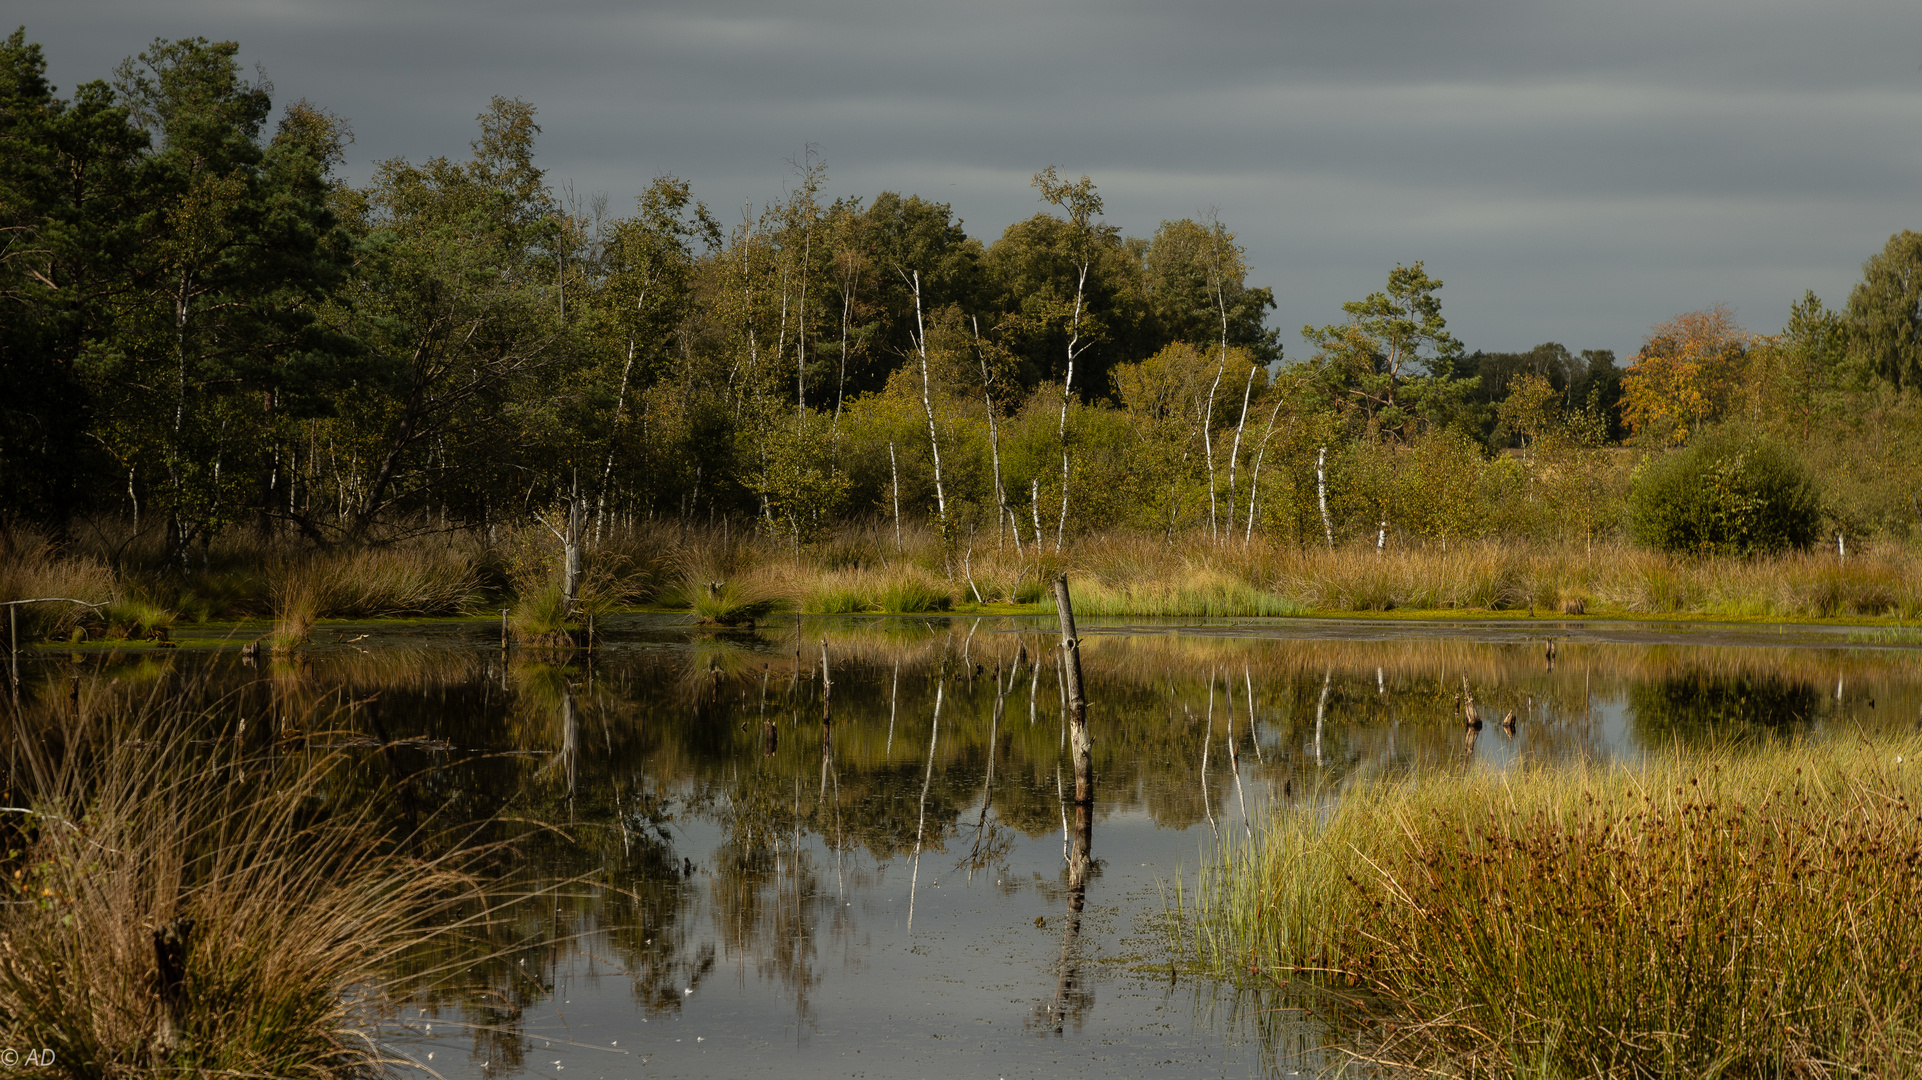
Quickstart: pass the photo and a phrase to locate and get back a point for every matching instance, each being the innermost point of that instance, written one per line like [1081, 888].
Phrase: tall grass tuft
[1751, 913]
[725, 589]
[31, 566]
[540, 616]
[299, 593]
[298, 902]
[417, 579]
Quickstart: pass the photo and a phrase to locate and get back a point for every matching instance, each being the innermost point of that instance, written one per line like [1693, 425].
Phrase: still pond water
[760, 893]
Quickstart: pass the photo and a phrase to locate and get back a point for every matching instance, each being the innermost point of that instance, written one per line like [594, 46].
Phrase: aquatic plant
[539, 615]
[413, 579]
[1754, 912]
[894, 590]
[177, 905]
[31, 566]
[299, 592]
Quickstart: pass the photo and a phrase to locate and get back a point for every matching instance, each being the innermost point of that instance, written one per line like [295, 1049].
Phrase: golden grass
[1878, 581]
[298, 904]
[299, 592]
[857, 568]
[31, 566]
[1743, 913]
[1129, 574]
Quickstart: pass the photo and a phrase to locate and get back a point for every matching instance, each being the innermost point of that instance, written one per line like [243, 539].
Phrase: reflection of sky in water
[969, 992]
[798, 949]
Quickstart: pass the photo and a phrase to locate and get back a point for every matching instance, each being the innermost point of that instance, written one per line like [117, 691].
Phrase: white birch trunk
[1321, 495]
[927, 406]
[1234, 453]
[1254, 480]
[895, 470]
[1208, 447]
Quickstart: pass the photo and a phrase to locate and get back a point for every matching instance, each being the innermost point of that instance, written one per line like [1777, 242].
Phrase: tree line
[207, 328]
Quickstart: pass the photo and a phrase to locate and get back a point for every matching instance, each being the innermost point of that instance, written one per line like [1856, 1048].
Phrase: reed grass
[860, 568]
[1147, 575]
[1738, 913]
[420, 579]
[893, 590]
[299, 592]
[539, 616]
[298, 904]
[32, 566]
[720, 593]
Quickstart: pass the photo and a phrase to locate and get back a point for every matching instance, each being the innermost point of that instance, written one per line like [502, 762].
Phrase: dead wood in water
[1082, 747]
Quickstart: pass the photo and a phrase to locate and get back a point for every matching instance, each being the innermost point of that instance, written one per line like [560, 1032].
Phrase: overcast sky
[1573, 171]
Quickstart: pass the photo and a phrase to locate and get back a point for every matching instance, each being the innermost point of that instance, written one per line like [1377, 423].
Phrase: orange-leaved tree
[1684, 375]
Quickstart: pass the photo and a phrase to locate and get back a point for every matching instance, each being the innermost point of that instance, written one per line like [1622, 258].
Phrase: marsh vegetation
[710, 851]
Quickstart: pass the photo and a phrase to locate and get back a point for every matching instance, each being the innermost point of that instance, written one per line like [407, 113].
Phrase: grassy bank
[1742, 913]
[722, 577]
[179, 904]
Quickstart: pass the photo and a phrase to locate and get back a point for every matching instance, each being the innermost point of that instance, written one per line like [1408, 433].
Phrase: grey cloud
[1573, 171]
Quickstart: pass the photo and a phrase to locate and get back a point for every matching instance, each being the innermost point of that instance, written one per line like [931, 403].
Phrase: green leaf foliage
[1725, 495]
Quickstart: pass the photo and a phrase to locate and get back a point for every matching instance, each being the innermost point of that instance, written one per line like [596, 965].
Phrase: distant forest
[203, 328]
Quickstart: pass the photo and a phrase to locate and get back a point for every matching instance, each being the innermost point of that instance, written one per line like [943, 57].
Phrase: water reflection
[838, 831]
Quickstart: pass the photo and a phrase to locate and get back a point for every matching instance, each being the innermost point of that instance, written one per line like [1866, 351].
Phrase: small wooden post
[1081, 746]
[503, 629]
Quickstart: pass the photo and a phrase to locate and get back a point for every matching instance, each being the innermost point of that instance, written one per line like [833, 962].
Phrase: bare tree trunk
[750, 384]
[1235, 453]
[1254, 480]
[1034, 504]
[801, 329]
[1002, 513]
[1208, 444]
[1321, 494]
[841, 383]
[927, 406]
[620, 408]
[1067, 390]
[570, 549]
[895, 469]
[1082, 745]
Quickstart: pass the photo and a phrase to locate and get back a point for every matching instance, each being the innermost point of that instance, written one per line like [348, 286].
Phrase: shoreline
[1889, 632]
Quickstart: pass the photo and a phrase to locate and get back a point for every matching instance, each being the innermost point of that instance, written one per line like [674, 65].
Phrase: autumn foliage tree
[1684, 375]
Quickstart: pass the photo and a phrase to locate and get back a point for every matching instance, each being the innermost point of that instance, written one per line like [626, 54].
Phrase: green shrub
[1725, 495]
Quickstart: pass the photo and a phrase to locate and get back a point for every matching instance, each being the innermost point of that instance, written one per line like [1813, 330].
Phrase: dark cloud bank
[1574, 172]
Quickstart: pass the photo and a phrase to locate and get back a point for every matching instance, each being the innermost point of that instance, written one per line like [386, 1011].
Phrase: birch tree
[1081, 204]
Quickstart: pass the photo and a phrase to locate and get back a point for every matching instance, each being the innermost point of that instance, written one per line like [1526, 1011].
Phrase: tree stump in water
[171, 943]
[1081, 745]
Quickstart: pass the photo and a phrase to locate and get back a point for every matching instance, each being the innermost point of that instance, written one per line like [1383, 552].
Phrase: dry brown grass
[858, 568]
[31, 566]
[299, 903]
[1196, 577]
[1746, 913]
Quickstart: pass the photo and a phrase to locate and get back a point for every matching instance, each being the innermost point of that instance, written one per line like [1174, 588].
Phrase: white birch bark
[1321, 495]
[1235, 453]
[927, 406]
